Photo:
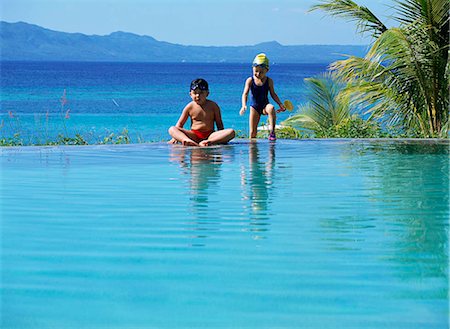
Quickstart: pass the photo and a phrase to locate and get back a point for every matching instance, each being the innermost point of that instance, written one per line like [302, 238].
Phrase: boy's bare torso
[202, 116]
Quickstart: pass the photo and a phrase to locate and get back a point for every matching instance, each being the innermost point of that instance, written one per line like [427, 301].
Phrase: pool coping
[241, 141]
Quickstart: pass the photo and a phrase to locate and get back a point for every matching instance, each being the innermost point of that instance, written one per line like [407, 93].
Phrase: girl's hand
[281, 109]
[243, 109]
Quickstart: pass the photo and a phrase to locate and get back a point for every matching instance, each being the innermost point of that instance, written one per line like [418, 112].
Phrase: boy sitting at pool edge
[203, 113]
[259, 85]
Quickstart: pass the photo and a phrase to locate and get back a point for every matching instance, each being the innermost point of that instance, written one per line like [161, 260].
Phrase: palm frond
[325, 109]
[409, 11]
[302, 121]
[430, 12]
[366, 21]
[355, 68]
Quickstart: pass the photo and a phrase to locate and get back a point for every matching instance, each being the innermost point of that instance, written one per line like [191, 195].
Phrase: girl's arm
[245, 96]
[274, 95]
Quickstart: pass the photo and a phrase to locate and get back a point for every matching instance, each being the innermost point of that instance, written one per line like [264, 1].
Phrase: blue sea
[144, 98]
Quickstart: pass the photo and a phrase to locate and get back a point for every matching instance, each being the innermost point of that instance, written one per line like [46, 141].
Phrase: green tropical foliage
[61, 139]
[12, 141]
[324, 109]
[328, 114]
[353, 127]
[403, 81]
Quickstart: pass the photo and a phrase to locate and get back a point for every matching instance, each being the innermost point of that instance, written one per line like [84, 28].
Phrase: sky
[195, 22]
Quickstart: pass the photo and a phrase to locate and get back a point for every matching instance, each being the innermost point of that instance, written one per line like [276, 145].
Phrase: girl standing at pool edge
[259, 86]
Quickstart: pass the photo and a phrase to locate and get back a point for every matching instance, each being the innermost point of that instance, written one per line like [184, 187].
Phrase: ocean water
[145, 98]
[292, 234]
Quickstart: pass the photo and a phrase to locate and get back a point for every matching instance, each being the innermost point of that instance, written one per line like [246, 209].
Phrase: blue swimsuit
[259, 96]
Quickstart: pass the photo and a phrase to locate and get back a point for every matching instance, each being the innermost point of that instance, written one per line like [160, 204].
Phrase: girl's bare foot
[205, 143]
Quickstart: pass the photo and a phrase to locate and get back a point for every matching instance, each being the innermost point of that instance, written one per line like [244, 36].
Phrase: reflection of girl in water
[260, 177]
[259, 181]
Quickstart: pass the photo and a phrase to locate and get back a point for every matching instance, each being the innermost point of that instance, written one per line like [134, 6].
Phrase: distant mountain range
[26, 42]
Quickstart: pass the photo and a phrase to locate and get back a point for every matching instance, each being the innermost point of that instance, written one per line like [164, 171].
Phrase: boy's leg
[219, 137]
[270, 111]
[184, 136]
[253, 122]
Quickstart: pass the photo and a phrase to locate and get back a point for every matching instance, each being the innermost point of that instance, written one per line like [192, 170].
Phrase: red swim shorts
[202, 135]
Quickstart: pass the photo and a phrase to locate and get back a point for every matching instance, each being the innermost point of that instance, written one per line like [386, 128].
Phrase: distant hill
[27, 42]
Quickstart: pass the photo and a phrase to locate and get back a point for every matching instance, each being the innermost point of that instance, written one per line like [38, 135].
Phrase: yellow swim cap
[261, 60]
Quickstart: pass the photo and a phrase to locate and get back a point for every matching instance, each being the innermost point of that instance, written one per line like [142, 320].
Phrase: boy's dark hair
[200, 84]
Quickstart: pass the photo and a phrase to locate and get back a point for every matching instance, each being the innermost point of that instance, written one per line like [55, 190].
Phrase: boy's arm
[274, 95]
[218, 117]
[245, 96]
[184, 116]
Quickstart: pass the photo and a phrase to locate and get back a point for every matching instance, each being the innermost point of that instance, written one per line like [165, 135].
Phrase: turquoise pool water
[296, 234]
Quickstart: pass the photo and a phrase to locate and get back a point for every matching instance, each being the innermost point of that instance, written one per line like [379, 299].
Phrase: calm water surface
[309, 234]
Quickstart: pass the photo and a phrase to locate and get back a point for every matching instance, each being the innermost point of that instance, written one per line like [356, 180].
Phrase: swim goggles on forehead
[261, 65]
[199, 86]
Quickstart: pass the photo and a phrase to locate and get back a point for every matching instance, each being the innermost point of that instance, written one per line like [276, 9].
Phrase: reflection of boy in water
[203, 165]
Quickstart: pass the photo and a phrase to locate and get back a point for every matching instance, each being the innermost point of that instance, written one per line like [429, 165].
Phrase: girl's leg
[270, 111]
[253, 122]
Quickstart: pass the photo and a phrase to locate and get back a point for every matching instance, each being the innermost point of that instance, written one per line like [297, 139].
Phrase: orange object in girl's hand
[288, 105]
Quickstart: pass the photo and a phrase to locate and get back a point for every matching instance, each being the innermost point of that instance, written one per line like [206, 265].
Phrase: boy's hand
[243, 109]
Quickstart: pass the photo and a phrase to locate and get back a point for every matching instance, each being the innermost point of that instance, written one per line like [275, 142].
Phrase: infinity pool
[292, 234]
